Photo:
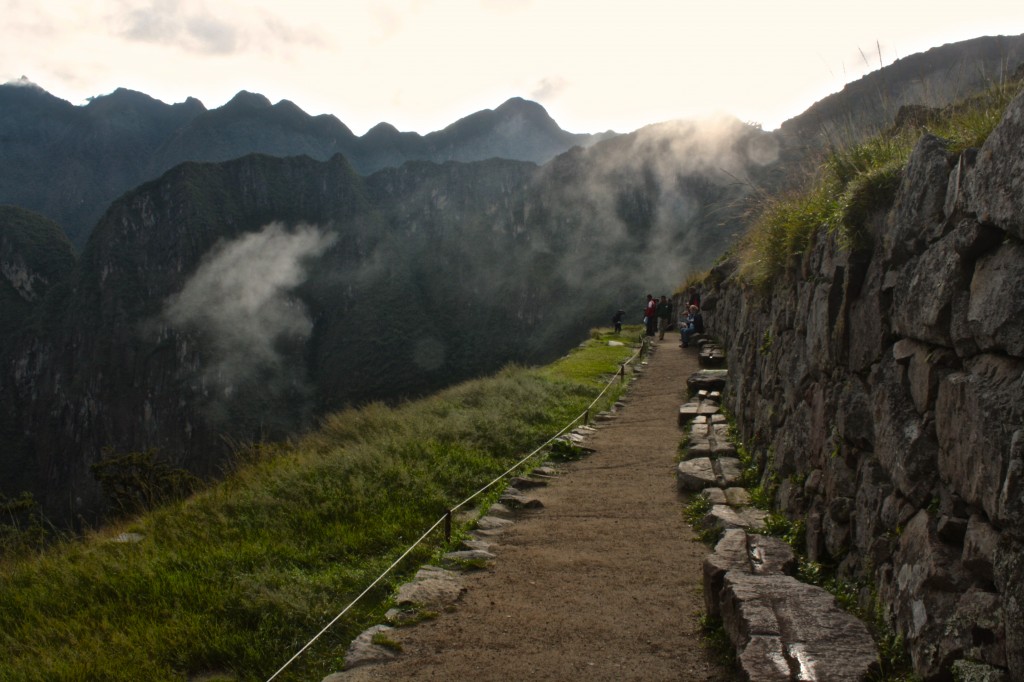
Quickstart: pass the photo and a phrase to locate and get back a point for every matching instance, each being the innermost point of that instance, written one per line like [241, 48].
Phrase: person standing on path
[664, 313]
[617, 320]
[650, 314]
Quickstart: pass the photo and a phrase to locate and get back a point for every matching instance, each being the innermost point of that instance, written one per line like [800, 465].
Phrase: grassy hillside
[232, 581]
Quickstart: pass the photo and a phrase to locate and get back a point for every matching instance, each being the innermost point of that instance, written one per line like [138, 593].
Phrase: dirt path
[603, 583]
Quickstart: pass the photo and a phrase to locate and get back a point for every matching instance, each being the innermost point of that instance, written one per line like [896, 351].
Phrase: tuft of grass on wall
[852, 182]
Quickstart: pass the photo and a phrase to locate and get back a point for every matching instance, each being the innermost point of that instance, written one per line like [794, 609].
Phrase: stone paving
[781, 628]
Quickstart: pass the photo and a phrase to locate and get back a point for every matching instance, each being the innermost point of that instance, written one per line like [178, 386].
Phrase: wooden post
[448, 526]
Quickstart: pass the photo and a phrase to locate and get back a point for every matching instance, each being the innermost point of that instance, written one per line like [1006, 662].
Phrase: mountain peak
[246, 100]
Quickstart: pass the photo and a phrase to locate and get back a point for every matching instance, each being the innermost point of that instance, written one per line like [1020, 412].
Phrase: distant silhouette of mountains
[69, 162]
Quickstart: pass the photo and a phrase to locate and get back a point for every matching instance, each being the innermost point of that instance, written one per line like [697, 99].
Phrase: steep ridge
[883, 390]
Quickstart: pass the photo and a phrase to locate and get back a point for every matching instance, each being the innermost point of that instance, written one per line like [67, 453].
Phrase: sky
[420, 65]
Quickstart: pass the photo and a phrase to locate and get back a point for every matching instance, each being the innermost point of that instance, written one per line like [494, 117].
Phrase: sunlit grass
[232, 581]
[851, 183]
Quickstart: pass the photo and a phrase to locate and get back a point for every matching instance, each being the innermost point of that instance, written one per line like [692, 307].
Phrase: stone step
[707, 379]
[694, 475]
[782, 629]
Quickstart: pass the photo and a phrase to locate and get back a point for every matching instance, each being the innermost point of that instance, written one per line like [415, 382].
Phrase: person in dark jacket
[664, 313]
[617, 320]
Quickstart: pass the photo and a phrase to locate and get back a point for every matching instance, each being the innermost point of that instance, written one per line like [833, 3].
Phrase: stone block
[770, 556]
[905, 442]
[980, 542]
[820, 641]
[920, 201]
[736, 497]
[432, 588]
[764, 660]
[921, 300]
[995, 185]
[1011, 495]
[363, 651]
[1009, 578]
[976, 415]
[714, 495]
[923, 591]
[730, 471]
[690, 410]
[976, 629]
[696, 474]
[517, 499]
[707, 379]
[996, 309]
[730, 555]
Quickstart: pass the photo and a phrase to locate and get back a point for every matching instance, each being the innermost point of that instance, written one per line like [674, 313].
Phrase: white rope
[458, 506]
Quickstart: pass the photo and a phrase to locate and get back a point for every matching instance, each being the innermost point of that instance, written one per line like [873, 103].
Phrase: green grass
[235, 579]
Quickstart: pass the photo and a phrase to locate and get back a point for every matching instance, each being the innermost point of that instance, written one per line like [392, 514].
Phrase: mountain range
[69, 162]
[267, 267]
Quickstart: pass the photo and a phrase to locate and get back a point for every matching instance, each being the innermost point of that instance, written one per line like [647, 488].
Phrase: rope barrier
[446, 519]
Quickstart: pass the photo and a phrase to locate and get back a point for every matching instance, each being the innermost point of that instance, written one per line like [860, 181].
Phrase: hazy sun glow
[422, 64]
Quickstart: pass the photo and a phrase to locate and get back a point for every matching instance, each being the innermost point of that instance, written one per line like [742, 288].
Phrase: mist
[239, 300]
[662, 201]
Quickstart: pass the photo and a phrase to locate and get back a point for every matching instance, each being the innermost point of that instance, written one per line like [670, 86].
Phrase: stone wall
[884, 391]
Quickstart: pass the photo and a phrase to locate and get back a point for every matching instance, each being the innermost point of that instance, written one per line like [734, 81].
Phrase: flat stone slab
[737, 497]
[499, 510]
[730, 471]
[696, 474]
[690, 410]
[470, 543]
[777, 613]
[730, 555]
[714, 495]
[516, 499]
[724, 517]
[526, 482]
[491, 525]
[693, 475]
[710, 448]
[460, 558]
[432, 587]
[362, 650]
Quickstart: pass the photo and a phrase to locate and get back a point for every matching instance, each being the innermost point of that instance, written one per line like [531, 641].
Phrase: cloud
[549, 88]
[239, 300]
[173, 22]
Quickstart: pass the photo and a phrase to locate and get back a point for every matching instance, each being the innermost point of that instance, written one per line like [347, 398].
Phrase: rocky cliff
[883, 390]
[237, 301]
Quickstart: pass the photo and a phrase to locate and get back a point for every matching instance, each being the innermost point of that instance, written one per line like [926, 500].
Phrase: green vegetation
[235, 579]
[861, 599]
[717, 642]
[854, 181]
